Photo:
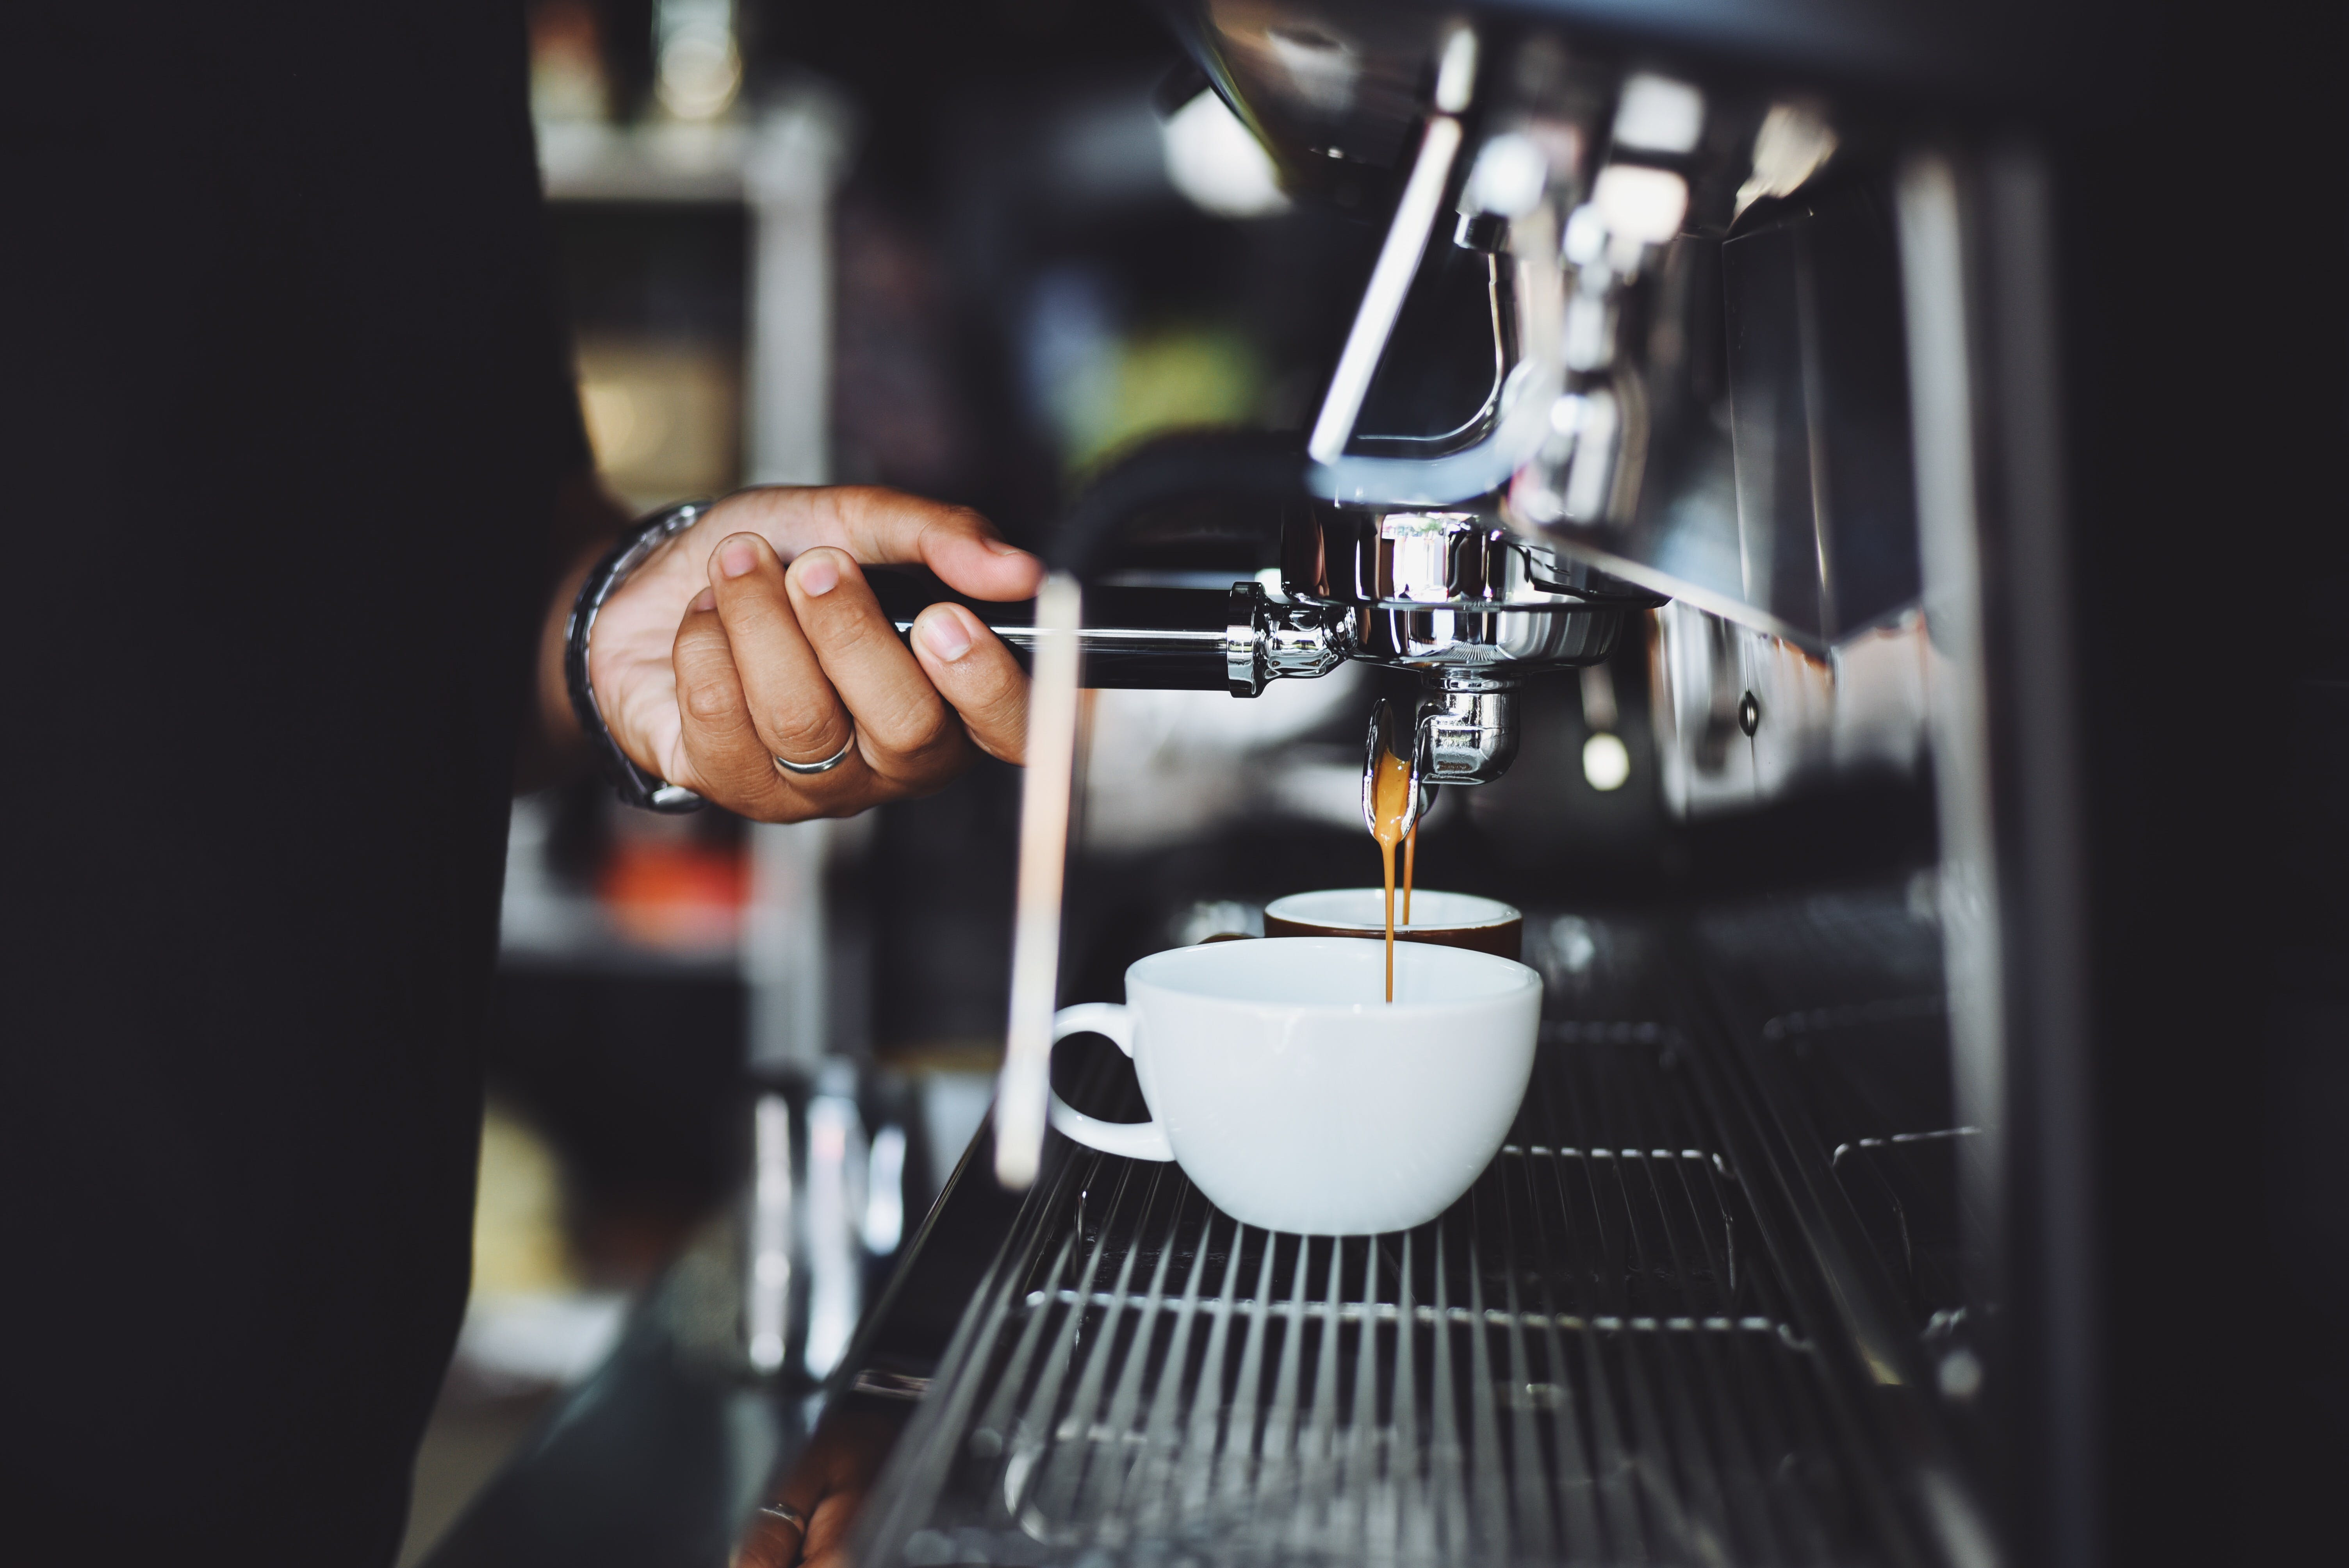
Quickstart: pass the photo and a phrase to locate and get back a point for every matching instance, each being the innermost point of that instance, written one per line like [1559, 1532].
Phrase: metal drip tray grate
[1591, 1359]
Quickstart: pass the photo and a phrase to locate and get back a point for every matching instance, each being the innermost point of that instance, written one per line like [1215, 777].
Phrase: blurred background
[970, 249]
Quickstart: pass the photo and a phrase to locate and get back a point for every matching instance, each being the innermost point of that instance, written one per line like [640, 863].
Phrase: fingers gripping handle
[1133, 1140]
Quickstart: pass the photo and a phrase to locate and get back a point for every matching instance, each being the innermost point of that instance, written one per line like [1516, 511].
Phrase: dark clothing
[285, 403]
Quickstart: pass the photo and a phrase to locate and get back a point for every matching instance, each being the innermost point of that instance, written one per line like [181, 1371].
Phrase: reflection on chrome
[767, 1310]
[835, 1211]
[884, 1192]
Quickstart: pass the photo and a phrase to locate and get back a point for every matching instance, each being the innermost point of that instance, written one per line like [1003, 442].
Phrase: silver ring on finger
[807, 769]
[789, 1515]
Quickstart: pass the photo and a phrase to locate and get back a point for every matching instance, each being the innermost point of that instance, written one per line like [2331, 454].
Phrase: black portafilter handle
[1156, 639]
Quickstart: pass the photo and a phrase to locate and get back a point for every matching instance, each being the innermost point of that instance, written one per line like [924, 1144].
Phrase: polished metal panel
[1451, 592]
[1742, 719]
[1979, 250]
[1819, 413]
[1461, 559]
[1735, 429]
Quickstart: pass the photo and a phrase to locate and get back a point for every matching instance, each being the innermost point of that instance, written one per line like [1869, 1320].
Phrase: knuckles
[804, 738]
[710, 701]
[847, 629]
[919, 731]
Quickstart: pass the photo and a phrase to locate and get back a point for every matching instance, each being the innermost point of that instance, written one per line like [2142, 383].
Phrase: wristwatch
[637, 546]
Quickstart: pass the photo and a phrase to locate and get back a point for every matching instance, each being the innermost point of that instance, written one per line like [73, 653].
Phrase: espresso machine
[1731, 338]
[1745, 1285]
[1796, 1251]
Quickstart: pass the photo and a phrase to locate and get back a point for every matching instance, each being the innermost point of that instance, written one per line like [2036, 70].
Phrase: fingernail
[706, 601]
[998, 547]
[736, 557]
[944, 635]
[819, 577]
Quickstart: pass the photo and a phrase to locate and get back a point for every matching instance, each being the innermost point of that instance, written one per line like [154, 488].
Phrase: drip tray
[1593, 1357]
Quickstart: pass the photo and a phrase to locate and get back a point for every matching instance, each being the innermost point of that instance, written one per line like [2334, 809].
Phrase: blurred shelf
[787, 158]
[541, 929]
[519, 1341]
[582, 161]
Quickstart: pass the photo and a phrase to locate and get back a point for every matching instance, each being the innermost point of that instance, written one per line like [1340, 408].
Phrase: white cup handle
[1133, 1140]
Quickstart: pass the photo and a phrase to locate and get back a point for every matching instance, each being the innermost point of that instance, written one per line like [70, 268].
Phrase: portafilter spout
[1467, 728]
[1465, 732]
[1390, 735]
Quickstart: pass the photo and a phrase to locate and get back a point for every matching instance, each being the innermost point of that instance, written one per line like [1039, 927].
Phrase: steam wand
[1045, 799]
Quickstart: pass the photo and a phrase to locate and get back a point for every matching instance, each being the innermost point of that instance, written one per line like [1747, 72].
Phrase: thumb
[978, 675]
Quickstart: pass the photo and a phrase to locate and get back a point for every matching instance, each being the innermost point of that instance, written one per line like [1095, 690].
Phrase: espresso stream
[1410, 856]
[1389, 803]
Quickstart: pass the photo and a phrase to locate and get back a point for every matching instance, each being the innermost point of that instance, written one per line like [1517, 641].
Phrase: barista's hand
[754, 636]
[826, 1486]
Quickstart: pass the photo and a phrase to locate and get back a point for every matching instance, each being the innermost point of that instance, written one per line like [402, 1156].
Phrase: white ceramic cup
[1297, 1097]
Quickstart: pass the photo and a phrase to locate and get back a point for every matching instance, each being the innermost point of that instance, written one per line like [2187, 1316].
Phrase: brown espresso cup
[1445, 919]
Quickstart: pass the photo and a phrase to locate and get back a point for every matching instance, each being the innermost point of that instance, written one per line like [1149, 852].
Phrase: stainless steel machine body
[1733, 320]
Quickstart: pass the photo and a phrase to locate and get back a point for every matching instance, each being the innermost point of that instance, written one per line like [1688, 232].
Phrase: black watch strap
[637, 546]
